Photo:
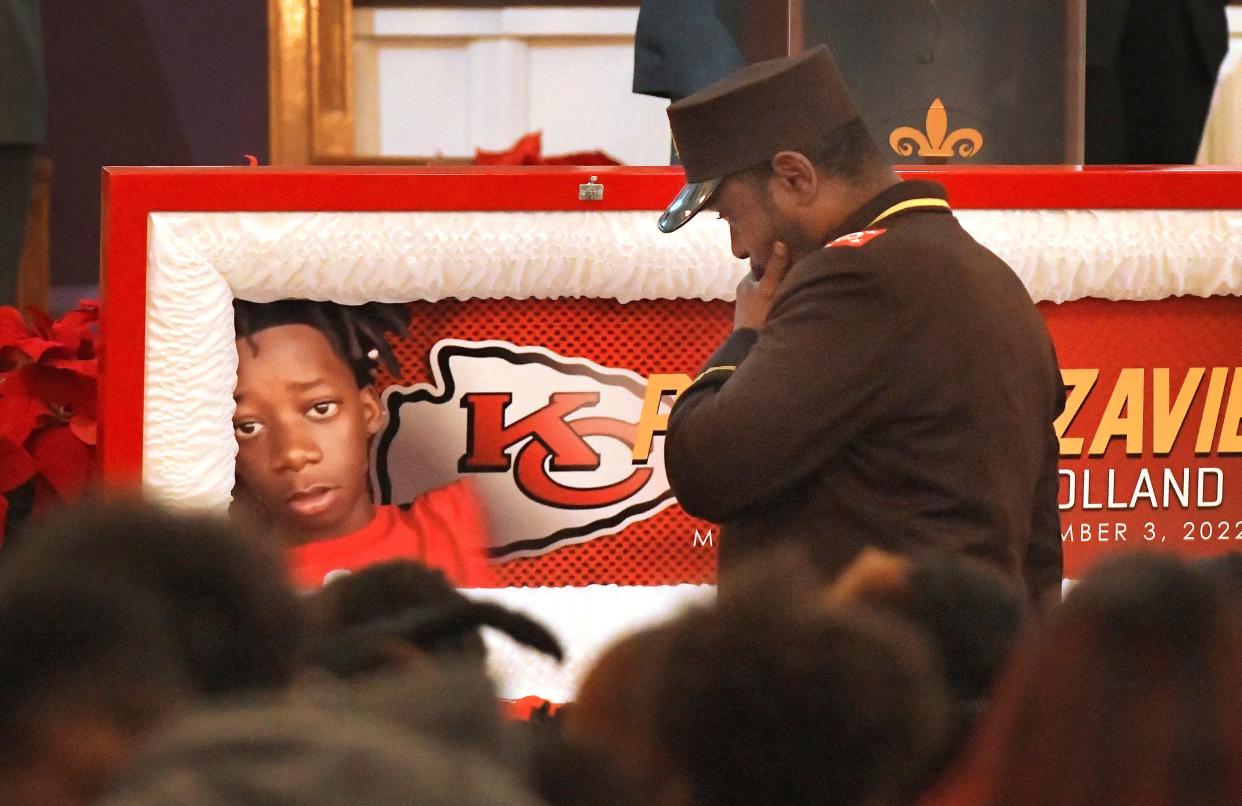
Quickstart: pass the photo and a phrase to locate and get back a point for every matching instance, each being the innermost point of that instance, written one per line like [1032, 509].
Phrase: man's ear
[795, 177]
[372, 409]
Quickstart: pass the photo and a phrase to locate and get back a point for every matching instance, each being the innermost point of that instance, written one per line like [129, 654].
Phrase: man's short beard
[800, 242]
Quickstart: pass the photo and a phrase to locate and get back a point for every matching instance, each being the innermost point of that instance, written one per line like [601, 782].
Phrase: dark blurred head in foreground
[1129, 695]
[770, 697]
[402, 613]
[236, 623]
[87, 669]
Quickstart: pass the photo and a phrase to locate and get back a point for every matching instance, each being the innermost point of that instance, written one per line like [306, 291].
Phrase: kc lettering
[548, 442]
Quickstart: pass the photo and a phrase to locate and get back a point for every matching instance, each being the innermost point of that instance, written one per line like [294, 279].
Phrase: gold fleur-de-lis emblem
[936, 143]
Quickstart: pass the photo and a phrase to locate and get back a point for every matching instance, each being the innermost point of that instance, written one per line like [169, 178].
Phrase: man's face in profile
[303, 427]
[755, 220]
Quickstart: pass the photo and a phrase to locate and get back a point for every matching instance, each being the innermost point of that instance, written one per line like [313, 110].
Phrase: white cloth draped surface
[198, 262]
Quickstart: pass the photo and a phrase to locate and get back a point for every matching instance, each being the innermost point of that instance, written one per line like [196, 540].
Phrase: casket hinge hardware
[591, 191]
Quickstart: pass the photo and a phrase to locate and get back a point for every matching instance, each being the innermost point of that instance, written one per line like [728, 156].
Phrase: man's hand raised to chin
[755, 295]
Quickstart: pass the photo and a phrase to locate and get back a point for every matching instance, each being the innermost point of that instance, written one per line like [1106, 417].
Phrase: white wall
[1222, 139]
[431, 81]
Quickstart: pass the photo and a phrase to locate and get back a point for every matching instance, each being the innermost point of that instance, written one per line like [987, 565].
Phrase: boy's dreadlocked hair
[356, 332]
[356, 615]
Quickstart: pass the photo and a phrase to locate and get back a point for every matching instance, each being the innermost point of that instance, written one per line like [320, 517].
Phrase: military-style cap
[747, 117]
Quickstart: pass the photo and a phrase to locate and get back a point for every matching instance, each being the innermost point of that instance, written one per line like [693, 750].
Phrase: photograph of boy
[307, 409]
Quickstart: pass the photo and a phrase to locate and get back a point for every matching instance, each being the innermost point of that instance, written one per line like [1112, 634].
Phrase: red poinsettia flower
[528, 150]
[48, 379]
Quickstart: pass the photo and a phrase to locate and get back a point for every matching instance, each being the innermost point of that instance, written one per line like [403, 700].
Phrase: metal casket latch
[591, 191]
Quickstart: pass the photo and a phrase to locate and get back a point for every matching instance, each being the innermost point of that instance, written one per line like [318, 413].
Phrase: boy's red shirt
[444, 529]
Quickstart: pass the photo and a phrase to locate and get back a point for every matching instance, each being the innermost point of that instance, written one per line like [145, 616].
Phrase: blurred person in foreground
[970, 615]
[1129, 696]
[454, 704]
[401, 613]
[768, 698]
[295, 753]
[612, 715]
[88, 669]
[1225, 571]
[888, 381]
[236, 621]
[410, 648]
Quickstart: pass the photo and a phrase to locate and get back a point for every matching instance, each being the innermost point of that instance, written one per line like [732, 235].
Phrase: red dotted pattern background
[664, 336]
[1176, 333]
[678, 335]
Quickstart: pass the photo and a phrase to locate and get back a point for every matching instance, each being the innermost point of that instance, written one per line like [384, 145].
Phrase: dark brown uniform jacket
[901, 395]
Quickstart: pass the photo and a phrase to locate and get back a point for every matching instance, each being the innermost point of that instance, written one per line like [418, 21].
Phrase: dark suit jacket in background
[1151, 70]
[23, 124]
[23, 91]
[682, 46]
[901, 395]
[999, 67]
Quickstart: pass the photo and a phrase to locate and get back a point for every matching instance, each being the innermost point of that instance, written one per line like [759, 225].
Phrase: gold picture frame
[310, 104]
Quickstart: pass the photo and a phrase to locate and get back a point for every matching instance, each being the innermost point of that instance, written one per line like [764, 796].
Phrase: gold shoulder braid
[909, 204]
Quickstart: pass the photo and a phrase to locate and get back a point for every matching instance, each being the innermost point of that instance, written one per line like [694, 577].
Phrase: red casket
[523, 290]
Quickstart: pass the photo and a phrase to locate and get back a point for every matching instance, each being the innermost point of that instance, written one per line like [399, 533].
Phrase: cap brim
[688, 202]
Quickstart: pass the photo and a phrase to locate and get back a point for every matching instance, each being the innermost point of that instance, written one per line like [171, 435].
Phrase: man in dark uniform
[888, 382]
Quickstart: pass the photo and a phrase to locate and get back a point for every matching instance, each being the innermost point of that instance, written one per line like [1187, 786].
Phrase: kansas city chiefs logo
[547, 441]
